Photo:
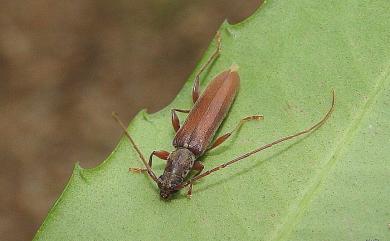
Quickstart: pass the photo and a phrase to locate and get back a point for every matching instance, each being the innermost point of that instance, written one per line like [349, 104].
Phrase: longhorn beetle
[194, 137]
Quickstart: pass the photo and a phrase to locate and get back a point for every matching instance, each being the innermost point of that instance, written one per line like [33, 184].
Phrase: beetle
[195, 136]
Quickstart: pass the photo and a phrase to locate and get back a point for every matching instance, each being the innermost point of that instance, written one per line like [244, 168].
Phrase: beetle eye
[160, 181]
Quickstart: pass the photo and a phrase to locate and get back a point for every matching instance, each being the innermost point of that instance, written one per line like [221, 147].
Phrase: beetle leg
[224, 137]
[198, 166]
[160, 154]
[175, 118]
[196, 88]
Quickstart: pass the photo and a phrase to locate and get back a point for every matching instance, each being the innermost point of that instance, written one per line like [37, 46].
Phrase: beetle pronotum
[195, 136]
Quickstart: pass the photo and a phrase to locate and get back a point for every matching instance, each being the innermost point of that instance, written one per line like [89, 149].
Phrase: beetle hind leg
[196, 86]
[175, 118]
[224, 137]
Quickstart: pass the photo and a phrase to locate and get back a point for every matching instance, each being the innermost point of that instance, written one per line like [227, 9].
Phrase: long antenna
[318, 124]
[148, 168]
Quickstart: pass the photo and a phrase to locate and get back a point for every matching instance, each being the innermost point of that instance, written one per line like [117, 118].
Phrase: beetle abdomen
[208, 113]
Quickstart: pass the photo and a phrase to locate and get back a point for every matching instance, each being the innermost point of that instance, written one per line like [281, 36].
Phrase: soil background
[66, 65]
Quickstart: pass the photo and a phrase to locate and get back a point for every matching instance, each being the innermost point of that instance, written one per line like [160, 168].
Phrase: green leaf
[330, 185]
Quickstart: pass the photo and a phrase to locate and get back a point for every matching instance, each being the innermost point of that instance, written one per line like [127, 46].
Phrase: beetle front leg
[198, 166]
[160, 154]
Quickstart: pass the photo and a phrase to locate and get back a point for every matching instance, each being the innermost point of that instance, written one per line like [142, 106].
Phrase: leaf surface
[330, 185]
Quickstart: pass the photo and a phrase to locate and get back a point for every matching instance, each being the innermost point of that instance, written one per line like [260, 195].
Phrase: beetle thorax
[179, 164]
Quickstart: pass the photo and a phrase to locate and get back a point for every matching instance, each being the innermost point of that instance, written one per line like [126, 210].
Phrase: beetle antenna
[283, 139]
[148, 168]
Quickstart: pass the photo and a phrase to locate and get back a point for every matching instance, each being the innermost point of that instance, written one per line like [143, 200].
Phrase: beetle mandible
[195, 136]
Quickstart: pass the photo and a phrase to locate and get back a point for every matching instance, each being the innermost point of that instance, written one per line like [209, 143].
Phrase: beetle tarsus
[189, 193]
[137, 170]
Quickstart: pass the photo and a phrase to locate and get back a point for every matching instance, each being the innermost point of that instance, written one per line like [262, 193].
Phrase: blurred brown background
[66, 65]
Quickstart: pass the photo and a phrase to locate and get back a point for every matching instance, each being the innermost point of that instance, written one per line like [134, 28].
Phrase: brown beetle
[194, 138]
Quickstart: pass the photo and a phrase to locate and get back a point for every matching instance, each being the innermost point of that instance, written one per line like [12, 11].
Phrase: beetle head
[168, 184]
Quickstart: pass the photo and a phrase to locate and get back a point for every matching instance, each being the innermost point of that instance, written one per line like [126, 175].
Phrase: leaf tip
[79, 171]
[77, 168]
[145, 114]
